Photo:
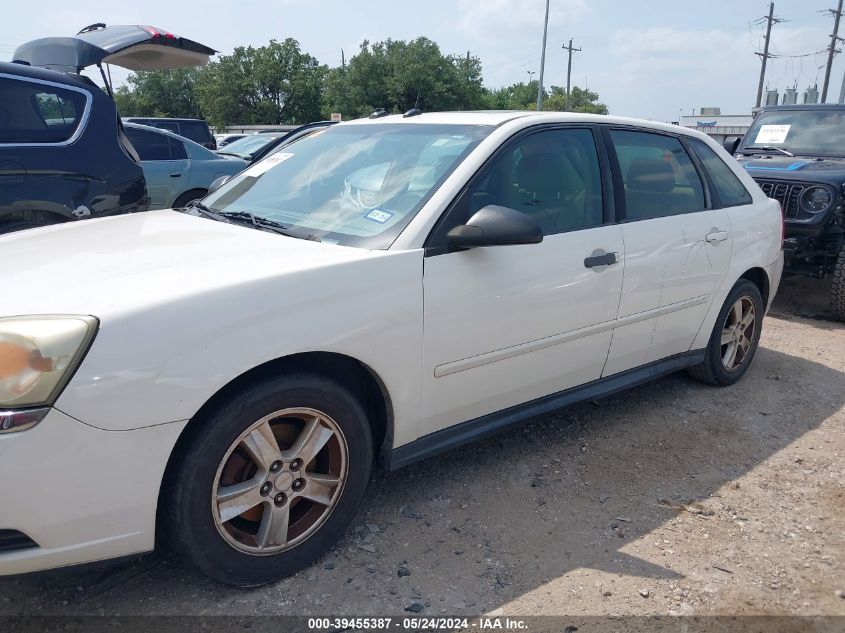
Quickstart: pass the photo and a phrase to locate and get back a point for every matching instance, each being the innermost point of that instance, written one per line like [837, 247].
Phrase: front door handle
[717, 236]
[175, 175]
[600, 258]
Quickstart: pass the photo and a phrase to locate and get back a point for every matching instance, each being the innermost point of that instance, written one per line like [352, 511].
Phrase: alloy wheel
[279, 481]
[738, 333]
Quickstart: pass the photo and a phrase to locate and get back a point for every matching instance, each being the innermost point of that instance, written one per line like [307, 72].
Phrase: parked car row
[66, 155]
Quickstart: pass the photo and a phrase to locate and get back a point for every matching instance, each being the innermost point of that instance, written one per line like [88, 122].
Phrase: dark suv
[195, 130]
[797, 156]
[63, 153]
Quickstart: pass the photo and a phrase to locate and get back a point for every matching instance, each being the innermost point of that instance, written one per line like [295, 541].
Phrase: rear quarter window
[32, 112]
[728, 187]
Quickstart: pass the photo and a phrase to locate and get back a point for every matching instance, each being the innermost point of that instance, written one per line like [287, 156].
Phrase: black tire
[837, 287]
[12, 227]
[188, 197]
[712, 370]
[188, 519]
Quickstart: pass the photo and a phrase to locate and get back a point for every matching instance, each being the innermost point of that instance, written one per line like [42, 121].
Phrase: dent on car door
[508, 324]
[678, 248]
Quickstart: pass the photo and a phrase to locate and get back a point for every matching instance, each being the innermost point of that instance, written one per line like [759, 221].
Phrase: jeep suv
[797, 156]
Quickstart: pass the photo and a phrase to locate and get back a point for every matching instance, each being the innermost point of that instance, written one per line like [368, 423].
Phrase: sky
[650, 59]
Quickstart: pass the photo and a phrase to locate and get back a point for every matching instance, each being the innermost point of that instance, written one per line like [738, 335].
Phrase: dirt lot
[672, 498]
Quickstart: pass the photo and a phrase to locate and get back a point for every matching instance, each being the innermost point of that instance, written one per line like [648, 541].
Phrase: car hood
[131, 46]
[131, 263]
[831, 170]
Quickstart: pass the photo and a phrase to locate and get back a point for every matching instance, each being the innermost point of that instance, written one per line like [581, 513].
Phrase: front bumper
[80, 493]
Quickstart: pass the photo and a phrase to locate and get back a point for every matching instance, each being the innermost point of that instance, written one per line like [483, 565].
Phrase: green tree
[523, 96]
[273, 84]
[580, 100]
[160, 93]
[397, 74]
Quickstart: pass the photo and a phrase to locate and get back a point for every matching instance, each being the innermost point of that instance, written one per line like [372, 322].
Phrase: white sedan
[384, 289]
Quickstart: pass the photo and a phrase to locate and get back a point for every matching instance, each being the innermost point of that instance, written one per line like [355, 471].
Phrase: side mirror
[218, 182]
[731, 143]
[495, 226]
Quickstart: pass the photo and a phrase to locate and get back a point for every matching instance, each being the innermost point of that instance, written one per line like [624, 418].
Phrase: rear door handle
[600, 258]
[717, 236]
[175, 175]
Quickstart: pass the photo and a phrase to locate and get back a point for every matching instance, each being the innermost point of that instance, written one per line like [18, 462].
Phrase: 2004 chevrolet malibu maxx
[226, 376]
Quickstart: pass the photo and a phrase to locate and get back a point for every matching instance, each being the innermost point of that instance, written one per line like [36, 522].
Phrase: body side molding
[471, 430]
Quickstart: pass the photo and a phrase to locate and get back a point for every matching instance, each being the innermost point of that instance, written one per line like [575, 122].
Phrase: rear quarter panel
[756, 230]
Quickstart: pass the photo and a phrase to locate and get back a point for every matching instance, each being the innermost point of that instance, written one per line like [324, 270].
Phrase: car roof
[44, 74]
[805, 106]
[158, 130]
[132, 119]
[500, 117]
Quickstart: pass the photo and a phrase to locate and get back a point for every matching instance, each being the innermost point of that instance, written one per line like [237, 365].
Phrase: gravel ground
[672, 498]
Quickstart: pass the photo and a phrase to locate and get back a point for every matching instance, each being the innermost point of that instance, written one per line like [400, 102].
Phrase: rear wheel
[270, 480]
[188, 197]
[735, 337]
[837, 288]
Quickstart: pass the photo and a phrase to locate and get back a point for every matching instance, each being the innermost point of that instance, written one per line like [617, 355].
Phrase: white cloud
[485, 18]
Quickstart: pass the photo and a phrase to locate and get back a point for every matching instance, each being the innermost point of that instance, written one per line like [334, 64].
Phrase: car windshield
[249, 144]
[356, 185]
[807, 132]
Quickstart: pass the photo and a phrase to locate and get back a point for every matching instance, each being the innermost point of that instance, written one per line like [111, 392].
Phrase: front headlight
[816, 199]
[38, 355]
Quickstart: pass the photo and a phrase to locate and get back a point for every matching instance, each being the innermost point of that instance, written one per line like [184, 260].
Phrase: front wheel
[735, 337]
[270, 480]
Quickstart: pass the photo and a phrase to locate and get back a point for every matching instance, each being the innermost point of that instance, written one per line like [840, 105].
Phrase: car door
[677, 247]
[165, 163]
[508, 324]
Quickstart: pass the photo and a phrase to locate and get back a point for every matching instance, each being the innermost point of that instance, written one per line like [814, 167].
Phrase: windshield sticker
[772, 134]
[267, 164]
[379, 215]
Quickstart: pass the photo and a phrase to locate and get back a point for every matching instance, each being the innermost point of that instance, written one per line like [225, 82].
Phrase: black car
[797, 156]
[195, 130]
[63, 153]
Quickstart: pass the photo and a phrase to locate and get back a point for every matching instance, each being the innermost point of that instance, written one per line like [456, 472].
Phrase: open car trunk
[130, 46]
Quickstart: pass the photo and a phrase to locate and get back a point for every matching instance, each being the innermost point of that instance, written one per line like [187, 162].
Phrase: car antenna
[378, 113]
[416, 110]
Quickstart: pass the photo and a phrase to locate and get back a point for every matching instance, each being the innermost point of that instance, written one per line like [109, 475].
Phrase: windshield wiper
[266, 224]
[207, 211]
[768, 148]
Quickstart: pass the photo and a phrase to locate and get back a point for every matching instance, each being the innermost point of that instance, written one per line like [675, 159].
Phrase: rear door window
[34, 112]
[177, 149]
[730, 190]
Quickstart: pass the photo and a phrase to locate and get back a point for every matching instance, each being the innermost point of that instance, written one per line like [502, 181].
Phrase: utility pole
[831, 51]
[342, 59]
[543, 60]
[569, 70]
[764, 56]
